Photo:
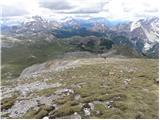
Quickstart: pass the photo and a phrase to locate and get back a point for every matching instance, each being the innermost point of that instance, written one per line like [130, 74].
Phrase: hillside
[18, 54]
[84, 88]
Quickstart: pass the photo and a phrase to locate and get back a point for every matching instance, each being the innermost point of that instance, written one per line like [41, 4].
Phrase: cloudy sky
[112, 9]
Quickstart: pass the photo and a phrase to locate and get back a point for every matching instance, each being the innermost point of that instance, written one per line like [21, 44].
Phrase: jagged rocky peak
[143, 34]
[135, 25]
[149, 27]
[37, 18]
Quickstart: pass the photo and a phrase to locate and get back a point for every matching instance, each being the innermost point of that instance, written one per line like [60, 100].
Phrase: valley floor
[84, 88]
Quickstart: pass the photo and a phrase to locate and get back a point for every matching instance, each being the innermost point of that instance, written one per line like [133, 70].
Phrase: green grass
[67, 109]
[103, 80]
[38, 113]
[7, 103]
[138, 99]
[46, 92]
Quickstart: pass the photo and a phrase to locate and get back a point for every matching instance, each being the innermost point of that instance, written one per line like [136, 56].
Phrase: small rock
[98, 112]
[73, 116]
[75, 86]
[91, 106]
[128, 80]
[157, 81]
[77, 97]
[46, 117]
[16, 112]
[36, 108]
[87, 111]
[64, 91]
[125, 82]
[86, 105]
[52, 107]
[76, 116]
[86, 108]
[75, 113]
[109, 104]
[111, 73]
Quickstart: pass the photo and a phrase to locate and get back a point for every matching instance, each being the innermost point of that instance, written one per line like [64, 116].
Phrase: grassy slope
[15, 59]
[103, 81]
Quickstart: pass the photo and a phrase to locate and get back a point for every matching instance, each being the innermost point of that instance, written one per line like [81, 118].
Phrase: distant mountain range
[141, 35]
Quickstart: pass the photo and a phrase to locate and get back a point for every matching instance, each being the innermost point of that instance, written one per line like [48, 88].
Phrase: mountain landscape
[71, 67]
[37, 39]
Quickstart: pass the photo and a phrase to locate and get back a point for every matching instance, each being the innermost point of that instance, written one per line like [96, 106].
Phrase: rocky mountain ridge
[142, 34]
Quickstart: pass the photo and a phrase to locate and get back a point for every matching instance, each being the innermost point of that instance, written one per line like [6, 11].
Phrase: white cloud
[131, 9]
[19, 7]
[112, 9]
